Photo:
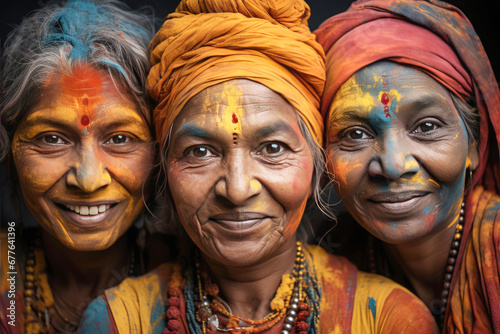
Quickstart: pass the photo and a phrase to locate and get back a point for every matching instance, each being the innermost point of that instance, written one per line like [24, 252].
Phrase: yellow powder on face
[350, 97]
[411, 164]
[231, 113]
[437, 184]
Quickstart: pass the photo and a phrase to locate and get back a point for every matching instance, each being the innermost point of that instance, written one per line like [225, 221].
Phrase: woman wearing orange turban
[413, 125]
[238, 86]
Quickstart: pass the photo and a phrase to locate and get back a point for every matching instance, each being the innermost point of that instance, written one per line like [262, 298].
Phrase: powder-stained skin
[398, 151]
[83, 155]
[249, 197]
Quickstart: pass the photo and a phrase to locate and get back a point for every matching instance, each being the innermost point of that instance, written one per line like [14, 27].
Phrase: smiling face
[398, 151]
[239, 171]
[83, 155]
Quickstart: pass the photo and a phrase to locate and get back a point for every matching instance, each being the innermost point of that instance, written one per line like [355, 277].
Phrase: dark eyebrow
[349, 114]
[428, 100]
[190, 130]
[273, 128]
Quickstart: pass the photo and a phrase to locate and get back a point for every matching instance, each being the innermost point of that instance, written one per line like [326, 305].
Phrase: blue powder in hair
[77, 22]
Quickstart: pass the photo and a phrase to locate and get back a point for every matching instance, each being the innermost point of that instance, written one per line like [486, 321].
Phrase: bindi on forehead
[384, 98]
[235, 129]
[85, 86]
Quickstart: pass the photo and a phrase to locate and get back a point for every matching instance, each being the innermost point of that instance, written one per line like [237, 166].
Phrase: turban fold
[204, 43]
[432, 36]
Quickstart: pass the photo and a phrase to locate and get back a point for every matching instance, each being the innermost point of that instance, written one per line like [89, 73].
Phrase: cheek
[37, 174]
[295, 186]
[347, 169]
[133, 170]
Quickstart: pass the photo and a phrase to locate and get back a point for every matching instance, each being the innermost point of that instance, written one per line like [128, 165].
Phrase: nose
[89, 173]
[394, 160]
[238, 183]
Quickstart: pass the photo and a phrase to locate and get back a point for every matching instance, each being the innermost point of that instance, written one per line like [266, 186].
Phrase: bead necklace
[450, 267]
[38, 297]
[439, 311]
[289, 304]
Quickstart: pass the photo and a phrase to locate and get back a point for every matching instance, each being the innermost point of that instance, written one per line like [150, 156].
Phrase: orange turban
[204, 43]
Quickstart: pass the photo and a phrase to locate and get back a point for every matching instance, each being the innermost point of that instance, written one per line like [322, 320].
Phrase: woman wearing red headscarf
[411, 108]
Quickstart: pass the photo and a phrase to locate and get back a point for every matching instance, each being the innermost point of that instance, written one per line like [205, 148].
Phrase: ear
[472, 156]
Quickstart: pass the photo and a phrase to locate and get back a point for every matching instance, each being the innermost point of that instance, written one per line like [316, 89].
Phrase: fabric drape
[205, 43]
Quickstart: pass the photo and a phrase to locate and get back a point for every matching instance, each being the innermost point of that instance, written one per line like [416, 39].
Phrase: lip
[398, 203]
[239, 221]
[87, 217]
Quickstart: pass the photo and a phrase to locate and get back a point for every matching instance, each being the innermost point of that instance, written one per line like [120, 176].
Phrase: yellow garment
[205, 43]
[351, 301]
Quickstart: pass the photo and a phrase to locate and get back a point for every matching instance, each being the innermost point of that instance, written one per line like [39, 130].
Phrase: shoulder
[96, 318]
[326, 264]
[134, 306]
[383, 306]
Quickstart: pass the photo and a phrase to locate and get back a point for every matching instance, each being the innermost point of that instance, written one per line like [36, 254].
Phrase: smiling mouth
[398, 202]
[87, 210]
[238, 221]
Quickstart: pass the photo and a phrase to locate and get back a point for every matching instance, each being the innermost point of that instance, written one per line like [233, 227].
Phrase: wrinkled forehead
[234, 99]
[81, 80]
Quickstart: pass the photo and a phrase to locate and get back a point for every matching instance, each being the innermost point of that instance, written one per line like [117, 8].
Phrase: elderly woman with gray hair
[76, 136]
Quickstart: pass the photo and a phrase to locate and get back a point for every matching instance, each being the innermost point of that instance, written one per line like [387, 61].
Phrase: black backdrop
[485, 20]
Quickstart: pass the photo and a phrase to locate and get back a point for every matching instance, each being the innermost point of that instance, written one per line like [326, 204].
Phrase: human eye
[198, 151]
[118, 139]
[273, 148]
[52, 139]
[356, 134]
[425, 128]
[352, 138]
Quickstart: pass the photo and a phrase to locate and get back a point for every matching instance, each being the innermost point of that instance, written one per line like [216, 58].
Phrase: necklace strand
[439, 311]
[291, 307]
[37, 297]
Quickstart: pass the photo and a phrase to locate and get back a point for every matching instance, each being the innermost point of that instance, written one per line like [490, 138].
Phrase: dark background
[481, 13]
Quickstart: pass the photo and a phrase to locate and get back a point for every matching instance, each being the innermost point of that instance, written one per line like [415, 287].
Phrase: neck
[80, 276]
[249, 290]
[424, 262]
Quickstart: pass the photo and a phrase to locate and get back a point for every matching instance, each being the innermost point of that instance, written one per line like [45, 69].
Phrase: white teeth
[93, 210]
[86, 210]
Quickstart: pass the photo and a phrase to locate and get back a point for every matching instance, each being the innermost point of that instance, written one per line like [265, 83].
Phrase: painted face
[398, 151]
[83, 155]
[239, 171]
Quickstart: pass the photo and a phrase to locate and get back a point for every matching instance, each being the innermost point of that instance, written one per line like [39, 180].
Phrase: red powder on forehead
[235, 119]
[85, 102]
[83, 79]
[85, 120]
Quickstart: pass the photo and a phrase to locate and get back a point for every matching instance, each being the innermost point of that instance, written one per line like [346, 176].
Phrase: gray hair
[106, 34]
[469, 116]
